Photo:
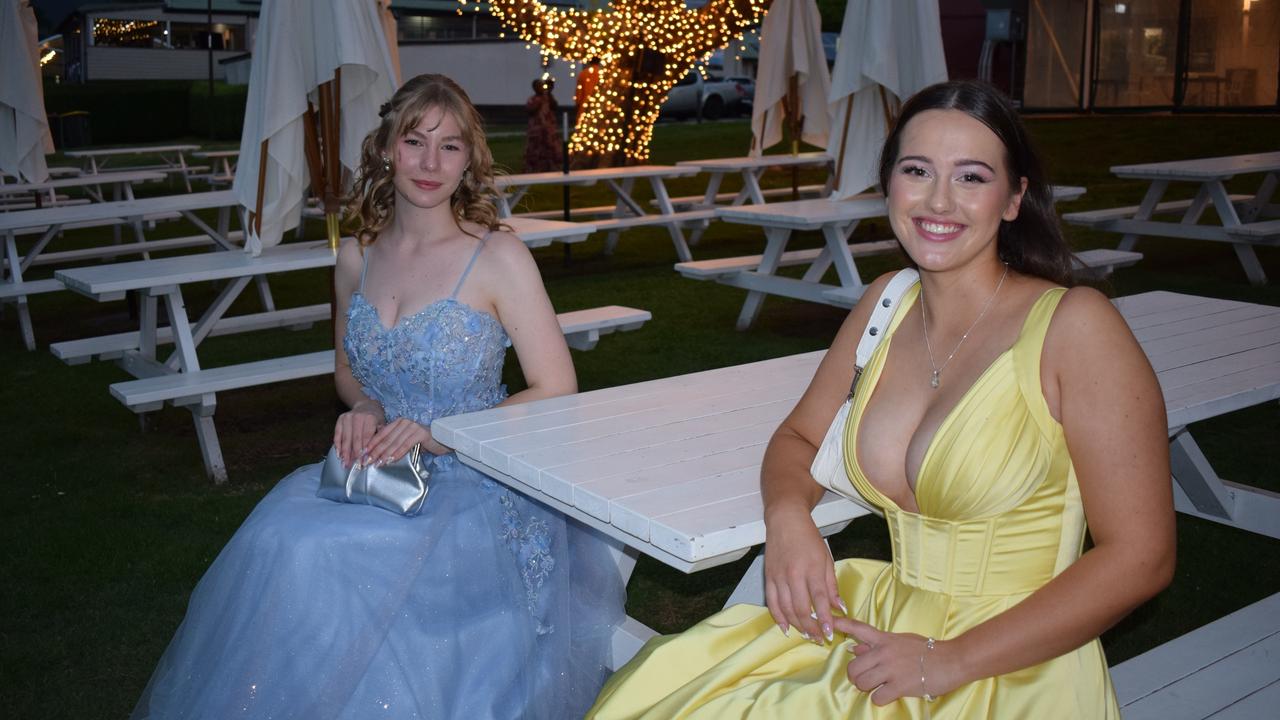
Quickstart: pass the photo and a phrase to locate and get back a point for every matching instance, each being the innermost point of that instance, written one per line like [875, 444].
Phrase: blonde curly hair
[371, 204]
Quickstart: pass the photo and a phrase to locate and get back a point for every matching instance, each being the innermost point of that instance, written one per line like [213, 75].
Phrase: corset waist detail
[967, 558]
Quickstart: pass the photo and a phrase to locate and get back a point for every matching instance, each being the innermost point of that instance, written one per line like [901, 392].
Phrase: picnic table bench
[1226, 670]
[836, 220]
[671, 467]
[120, 183]
[626, 212]
[223, 161]
[181, 380]
[751, 168]
[173, 159]
[49, 222]
[1241, 218]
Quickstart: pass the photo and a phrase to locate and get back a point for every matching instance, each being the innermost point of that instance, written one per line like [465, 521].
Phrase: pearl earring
[386, 163]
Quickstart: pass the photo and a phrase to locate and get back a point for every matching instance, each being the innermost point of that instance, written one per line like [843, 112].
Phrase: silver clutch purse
[400, 487]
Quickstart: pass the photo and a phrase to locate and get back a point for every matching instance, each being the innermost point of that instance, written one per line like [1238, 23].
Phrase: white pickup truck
[719, 97]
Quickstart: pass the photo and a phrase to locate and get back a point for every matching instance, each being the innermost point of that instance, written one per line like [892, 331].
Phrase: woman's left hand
[888, 665]
[395, 439]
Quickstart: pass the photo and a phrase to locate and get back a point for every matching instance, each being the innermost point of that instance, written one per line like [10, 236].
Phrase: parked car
[746, 88]
[720, 97]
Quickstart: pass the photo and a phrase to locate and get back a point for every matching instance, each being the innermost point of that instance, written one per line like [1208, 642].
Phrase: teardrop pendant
[934, 381]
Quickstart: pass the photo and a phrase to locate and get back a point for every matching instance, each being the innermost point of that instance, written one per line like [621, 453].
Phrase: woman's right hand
[799, 576]
[354, 429]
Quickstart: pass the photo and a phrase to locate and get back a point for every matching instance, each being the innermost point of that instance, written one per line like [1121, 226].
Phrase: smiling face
[430, 159]
[949, 189]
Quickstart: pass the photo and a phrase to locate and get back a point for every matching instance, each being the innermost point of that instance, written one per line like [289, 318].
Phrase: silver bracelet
[928, 645]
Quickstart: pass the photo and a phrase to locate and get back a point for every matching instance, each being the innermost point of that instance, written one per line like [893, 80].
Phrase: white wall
[127, 63]
[492, 72]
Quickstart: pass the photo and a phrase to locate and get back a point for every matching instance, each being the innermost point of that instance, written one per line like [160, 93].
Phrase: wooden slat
[1206, 670]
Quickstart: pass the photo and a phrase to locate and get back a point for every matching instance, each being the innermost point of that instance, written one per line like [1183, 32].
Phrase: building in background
[1059, 55]
[1107, 55]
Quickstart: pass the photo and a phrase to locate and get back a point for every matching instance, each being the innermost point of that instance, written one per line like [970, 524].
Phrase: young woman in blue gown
[485, 605]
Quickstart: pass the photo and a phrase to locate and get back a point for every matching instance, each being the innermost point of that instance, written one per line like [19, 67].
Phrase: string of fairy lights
[123, 31]
[644, 47]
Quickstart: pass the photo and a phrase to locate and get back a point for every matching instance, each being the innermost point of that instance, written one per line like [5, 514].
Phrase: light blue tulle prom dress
[485, 605]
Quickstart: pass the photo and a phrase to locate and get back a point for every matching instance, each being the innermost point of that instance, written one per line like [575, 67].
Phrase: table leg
[1148, 205]
[15, 276]
[211, 316]
[751, 184]
[207, 434]
[148, 319]
[1256, 209]
[182, 163]
[1198, 491]
[846, 268]
[673, 227]
[713, 189]
[774, 247]
[1244, 251]
[217, 237]
[184, 352]
[623, 201]
[505, 202]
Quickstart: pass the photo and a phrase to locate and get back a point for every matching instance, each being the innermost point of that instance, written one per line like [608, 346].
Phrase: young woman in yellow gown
[998, 414]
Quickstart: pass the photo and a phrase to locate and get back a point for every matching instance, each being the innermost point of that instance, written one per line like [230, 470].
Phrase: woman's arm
[526, 314]
[352, 431]
[1112, 413]
[799, 571]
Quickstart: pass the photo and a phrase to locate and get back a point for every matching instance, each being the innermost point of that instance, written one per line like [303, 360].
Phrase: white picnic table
[50, 222]
[626, 212]
[671, 467]
[120, 183]
[1242, 219]
[836, 220]
[172, 157]
[224, 165]
[751, 168]
[180, 378]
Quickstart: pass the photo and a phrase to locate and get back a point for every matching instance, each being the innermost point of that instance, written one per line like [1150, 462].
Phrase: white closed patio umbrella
[24, 128]
[321, 69]
[792, 80]
[889, 50]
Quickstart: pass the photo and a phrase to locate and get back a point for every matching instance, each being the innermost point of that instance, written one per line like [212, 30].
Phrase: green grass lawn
[111, 524]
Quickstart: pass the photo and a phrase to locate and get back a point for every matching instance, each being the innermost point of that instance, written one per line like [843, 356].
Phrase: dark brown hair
[1032, 243]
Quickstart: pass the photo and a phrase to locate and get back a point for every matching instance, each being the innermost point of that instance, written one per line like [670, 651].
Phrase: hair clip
[386, 108]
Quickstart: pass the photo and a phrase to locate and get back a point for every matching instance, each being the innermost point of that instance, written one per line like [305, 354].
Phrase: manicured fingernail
[805, 635]
[849, 648]
[826, 630]
[814, 615]
[842, 605]
[786, 631]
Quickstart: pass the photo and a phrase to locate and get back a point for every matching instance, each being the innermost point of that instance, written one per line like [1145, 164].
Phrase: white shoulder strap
[882, 314]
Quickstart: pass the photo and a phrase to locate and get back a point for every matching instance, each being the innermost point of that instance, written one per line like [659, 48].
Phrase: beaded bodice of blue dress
[485, 605]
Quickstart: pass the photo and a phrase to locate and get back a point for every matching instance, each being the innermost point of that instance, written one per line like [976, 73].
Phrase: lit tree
[644, 48]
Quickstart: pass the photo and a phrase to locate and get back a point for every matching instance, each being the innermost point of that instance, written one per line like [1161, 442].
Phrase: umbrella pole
[311, 148]
[793, 121]
[329, 159]
[256, 220]
[844, 140]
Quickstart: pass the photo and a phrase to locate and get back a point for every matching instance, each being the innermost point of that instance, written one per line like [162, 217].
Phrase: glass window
[1137, 46]
[1055, 51]
[1232, 58]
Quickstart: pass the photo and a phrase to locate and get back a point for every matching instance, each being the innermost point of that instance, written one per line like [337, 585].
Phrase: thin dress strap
[470, 263]
[364, 268]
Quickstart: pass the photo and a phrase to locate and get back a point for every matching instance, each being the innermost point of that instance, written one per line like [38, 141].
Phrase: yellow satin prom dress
[1000, 515]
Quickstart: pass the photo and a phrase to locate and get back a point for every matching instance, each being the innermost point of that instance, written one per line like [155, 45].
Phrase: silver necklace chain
[935, 380]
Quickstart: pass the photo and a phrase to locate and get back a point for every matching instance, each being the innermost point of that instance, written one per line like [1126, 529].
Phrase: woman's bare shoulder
[1086, 328]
